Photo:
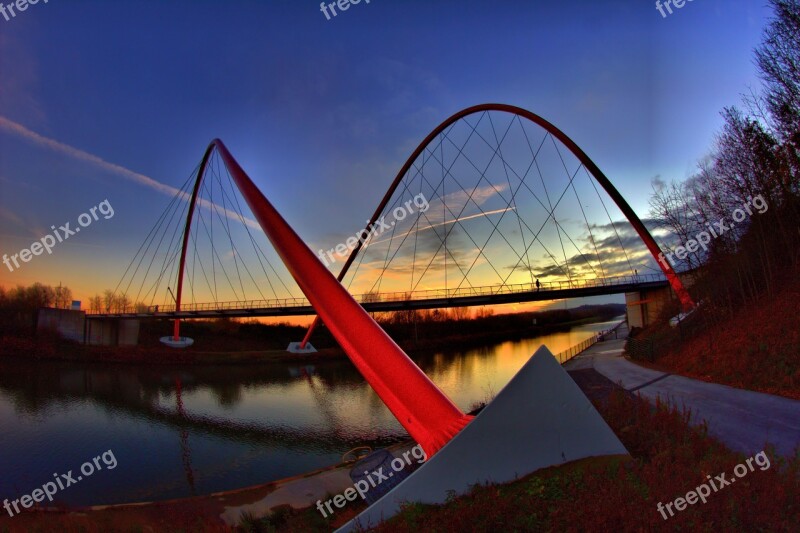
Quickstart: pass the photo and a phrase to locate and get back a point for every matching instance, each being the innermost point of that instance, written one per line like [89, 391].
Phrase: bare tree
[37, 295]
[673, 207]
[460, 313]
[108, 300]
[96, 303]
[122, 303]
[778, 62]
[62, 297]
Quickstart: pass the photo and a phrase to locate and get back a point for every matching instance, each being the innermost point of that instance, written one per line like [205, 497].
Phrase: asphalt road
[744, 420]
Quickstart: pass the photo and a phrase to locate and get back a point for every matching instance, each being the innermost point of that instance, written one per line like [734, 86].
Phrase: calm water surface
[178, 432]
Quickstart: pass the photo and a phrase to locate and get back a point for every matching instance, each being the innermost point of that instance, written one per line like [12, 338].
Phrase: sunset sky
[117, 100]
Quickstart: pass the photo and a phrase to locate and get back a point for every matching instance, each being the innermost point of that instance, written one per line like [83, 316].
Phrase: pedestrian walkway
[743, 420]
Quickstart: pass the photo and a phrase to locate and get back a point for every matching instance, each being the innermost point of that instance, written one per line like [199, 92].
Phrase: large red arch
[633, 218]
[428, 415]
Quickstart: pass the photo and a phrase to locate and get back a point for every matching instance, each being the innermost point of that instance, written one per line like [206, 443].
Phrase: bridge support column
[645, 307]
[301, 347]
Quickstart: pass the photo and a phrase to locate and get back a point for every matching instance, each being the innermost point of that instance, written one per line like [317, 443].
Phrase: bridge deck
[404, 301]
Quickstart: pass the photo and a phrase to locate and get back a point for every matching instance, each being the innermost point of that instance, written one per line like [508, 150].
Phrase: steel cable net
[229, 264]
[491, 205]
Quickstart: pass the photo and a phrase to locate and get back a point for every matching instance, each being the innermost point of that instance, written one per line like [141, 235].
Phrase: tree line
[18, 305]
[756, 156]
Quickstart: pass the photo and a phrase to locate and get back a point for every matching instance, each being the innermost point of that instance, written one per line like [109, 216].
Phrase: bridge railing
[566, 355]
[388, 297]
[493, 290]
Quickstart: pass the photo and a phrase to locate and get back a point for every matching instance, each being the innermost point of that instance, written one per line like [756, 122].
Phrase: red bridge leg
[428, 415]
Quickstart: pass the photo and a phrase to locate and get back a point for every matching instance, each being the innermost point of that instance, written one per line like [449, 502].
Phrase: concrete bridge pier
[97, 331]
[111, 332]
[645, 307]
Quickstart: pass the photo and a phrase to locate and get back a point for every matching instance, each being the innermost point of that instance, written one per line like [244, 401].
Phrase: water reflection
[180, 431]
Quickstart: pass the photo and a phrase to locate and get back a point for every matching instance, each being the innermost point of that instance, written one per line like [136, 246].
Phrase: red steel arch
[633, 218]
[190, 214]
[428, 415]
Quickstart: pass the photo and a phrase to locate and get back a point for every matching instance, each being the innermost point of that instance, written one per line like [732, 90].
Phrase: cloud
[18, 91]
[21, 184]
[433, 226]
[11, 216]
[21, 131]
[610, 249]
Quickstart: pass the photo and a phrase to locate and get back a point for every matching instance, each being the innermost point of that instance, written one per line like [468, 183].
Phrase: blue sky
[322, 113]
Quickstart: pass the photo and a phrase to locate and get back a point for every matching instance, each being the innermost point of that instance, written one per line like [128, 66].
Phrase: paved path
[743, 420]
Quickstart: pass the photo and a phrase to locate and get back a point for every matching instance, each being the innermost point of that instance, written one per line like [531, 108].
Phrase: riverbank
[54, 349]
[291, 501]
[669, 458]
[111, 386]
[48, 347]
[228, 426]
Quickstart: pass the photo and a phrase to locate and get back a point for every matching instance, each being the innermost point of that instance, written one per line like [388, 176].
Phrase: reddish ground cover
[669, 458]
[757, 349]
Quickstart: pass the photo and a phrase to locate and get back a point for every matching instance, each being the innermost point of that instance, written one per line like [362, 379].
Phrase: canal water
[184, 431]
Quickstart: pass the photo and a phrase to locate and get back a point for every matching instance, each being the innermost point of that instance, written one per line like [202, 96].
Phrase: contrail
[445, 223]
[21, 131]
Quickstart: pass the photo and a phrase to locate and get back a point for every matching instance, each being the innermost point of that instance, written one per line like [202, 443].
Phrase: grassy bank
[668, 458]
[756, 347]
